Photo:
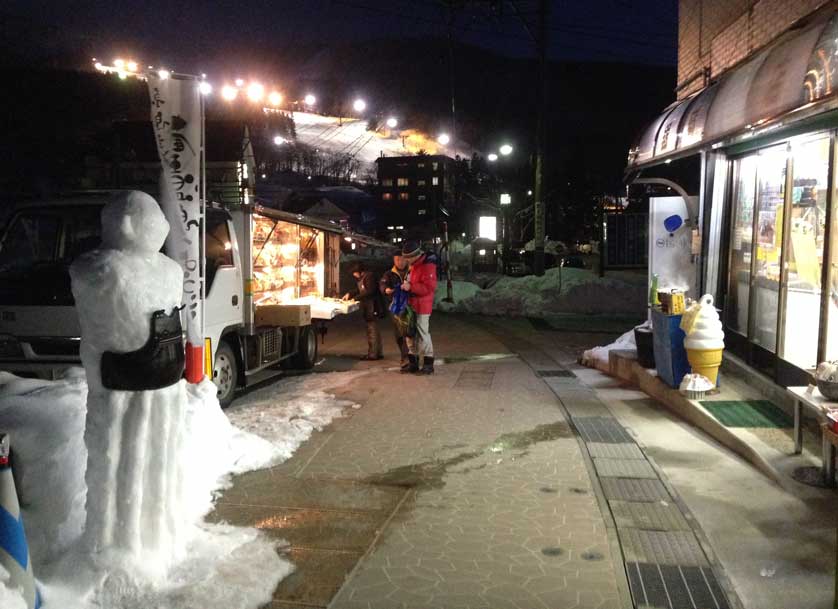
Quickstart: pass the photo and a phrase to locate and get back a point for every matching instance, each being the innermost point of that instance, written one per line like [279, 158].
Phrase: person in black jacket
[372, 308]
[389, 282]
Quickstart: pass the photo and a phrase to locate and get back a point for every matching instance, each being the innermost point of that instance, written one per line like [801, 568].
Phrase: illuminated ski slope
[351, 137]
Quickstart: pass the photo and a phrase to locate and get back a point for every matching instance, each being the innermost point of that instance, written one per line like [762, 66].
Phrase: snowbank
[597, 357]
[225, 566]
[558, 291]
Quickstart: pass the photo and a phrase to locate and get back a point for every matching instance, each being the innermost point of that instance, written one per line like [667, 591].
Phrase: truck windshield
[41, 236]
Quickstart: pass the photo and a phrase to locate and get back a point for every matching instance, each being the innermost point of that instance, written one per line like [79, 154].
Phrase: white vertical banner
[176, 115]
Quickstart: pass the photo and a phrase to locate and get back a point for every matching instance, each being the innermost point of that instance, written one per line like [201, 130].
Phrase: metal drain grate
[624, 468]
[675, 587]
[662, 547]
[634, 489]
[553, 373]
[615, 451]
[601, 429]
[660, 516]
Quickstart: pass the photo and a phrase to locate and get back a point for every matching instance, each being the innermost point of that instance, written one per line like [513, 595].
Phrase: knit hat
[411, 249]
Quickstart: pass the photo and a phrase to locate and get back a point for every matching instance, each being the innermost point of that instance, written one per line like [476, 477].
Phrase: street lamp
[275, 98]
[310, 100]
[205, 88]
[443, 139]
[492, 157]
[164, 74]
[506, 150]
[359, 105]
[279, 140]
[392, 122]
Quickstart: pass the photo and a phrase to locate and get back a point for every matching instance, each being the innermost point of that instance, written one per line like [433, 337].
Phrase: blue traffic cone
[14, 553]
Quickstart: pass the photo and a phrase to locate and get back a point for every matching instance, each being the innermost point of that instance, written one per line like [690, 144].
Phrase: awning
[797, 70]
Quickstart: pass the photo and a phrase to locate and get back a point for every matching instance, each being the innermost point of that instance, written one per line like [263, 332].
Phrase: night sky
[204, 36]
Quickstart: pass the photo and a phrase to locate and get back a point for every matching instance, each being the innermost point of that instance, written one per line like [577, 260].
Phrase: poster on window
[176, 118]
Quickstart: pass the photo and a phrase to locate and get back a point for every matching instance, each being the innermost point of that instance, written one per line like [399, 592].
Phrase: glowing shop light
[492, 157]
[488, 228]
[310, 100]
[392, 122]
[255, 92]
[505, 198]
[443, 139]
[229, 93]
[119, 63]
[205, 88]
[506, 150]
[132, 66]
[239, 82]
[164, 74]
[359, 105]
[275, 98]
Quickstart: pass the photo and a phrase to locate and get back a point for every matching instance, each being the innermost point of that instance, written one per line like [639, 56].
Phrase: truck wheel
[225, 373]
[306, 356]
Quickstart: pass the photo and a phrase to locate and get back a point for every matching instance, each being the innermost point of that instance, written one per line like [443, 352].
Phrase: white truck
[271, 280]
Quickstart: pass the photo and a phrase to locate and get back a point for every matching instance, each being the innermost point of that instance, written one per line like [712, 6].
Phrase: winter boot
[412, 365]
[427, 366]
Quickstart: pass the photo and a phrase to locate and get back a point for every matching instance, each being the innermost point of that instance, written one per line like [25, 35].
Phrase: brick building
[740, 173]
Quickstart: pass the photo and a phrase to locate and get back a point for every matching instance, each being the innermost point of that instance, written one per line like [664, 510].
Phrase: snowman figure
[127, 298]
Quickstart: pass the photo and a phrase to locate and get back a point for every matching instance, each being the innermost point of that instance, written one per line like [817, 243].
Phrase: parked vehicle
[271, 279]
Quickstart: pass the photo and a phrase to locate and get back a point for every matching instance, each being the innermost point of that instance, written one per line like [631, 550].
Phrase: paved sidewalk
[501, 481]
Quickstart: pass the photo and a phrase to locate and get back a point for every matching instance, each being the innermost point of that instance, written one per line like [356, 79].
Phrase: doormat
[747, 413]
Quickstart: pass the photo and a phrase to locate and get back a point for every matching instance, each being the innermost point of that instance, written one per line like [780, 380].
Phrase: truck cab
[257, 316]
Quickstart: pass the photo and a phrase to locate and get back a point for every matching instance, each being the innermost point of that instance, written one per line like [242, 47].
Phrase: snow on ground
[558, 291]
[225, 567]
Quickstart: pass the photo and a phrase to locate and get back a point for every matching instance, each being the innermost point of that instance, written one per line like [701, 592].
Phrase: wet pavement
[500, 481]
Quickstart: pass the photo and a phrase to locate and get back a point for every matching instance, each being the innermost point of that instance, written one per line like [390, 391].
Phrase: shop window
[403, 182]
[387, 182]
[422, 197]
[403, 196]
[420, 165]
[435, 181]
[804, 253]
[420, 182]
[434, 166]
[387, 196]
[422, 212]
[741, 238]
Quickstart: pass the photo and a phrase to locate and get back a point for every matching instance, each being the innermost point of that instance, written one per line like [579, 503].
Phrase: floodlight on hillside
[255, 92]
[392, 122]
[359, 105]
[492, 157]
[275, 98]
[443, 139]
[310, 100]
[506, 150]
[229, 93]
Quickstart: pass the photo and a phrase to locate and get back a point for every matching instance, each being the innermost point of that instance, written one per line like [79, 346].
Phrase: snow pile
[223, 566]
[9, 599]
[558, 291]
[597, 357]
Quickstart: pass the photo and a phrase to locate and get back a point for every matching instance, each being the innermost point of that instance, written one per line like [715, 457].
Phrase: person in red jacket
[420, 285]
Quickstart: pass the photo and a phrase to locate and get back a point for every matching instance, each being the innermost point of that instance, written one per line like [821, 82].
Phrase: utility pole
[540, 208]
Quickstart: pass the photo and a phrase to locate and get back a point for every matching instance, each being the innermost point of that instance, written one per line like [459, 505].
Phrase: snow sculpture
[135, 502]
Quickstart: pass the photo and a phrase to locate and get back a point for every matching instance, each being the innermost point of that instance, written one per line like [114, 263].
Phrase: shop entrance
[776, 311]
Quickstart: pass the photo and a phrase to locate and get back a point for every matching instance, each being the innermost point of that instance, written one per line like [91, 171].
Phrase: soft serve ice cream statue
[706, 341]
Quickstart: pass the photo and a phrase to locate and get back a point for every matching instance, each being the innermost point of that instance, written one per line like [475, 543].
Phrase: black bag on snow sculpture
[157, 364]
